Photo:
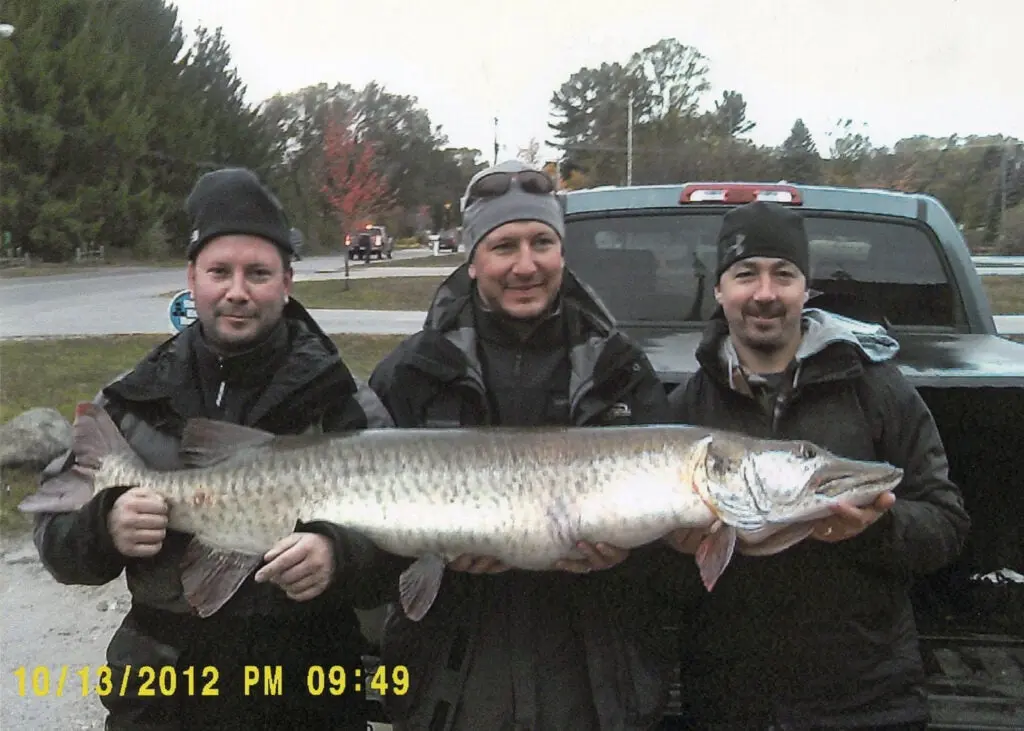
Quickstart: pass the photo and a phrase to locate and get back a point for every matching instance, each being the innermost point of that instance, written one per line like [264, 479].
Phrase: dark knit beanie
[763, 229]
[484, 214]
[234, 201]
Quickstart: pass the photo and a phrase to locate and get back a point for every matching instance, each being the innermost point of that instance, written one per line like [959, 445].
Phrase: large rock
[34, 437]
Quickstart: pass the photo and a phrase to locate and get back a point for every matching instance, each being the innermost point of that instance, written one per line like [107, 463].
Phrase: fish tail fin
[64, 493]
[714, 554]
[95, 438]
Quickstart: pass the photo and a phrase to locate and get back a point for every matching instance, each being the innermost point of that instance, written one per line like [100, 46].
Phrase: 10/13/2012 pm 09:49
[42, 681]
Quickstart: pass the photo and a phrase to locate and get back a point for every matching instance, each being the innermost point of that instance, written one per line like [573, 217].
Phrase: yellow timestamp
[139, 680]
[337, 680]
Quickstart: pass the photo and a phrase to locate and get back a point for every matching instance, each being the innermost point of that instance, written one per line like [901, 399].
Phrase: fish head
[751, 484]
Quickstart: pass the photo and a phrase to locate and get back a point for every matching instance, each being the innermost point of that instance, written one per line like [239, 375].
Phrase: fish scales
[527, 500]
[524, 496]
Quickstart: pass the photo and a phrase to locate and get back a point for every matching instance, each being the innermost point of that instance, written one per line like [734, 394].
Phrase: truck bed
[975, 681]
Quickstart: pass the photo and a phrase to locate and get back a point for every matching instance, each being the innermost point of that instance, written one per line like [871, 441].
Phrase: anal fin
[210, 576]
[418, 585]
[714, 554]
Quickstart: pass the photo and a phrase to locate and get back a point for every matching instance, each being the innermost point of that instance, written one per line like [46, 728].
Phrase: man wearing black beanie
[254, 357]
[821, 634]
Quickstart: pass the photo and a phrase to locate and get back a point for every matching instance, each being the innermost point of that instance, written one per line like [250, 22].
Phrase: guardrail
[14, 258]
[88, 254]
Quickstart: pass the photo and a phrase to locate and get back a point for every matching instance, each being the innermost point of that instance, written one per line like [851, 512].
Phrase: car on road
[372, 241]
[448, 240]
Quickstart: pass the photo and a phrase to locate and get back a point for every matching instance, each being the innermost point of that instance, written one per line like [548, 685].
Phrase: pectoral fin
[714, 554]
[211, 576]
[418, 585]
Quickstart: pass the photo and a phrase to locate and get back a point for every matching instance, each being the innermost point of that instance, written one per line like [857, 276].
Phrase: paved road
[127, 300]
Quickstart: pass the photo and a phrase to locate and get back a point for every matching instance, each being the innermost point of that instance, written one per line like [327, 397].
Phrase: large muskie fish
[524, 496]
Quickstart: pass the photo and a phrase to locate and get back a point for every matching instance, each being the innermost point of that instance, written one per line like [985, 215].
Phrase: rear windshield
[660, 269]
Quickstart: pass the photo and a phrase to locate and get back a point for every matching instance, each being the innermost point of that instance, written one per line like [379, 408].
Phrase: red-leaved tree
[355, 190]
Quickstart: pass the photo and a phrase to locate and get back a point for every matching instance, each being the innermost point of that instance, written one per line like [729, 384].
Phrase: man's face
[763, 300]
[518, 268]
[239, 284]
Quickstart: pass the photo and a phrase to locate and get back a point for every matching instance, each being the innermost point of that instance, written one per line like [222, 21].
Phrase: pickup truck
[879, 256]
[368, 242]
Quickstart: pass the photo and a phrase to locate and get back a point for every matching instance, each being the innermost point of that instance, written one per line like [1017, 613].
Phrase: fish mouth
[835, 482]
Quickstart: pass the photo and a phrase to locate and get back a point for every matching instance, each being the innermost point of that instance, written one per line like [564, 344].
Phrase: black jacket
[294, 382]
[821, 633]
[540, 622]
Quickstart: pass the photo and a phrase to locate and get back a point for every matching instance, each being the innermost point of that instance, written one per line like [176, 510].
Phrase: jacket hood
[456, 293]
[821, 330]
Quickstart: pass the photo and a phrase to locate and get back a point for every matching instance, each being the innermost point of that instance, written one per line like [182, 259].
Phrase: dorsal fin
[206, 442]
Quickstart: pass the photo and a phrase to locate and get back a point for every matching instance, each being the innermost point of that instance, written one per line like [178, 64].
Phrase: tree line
[108, 117]
[680, 134]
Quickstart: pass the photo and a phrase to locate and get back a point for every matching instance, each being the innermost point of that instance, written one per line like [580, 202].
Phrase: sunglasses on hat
[498, 184]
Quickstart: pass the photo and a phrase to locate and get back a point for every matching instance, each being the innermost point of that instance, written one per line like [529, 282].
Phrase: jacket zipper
[220, 391]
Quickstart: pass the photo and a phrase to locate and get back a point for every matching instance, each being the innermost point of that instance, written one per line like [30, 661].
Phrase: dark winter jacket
[293, 382]
[564, 651]
[821, 634]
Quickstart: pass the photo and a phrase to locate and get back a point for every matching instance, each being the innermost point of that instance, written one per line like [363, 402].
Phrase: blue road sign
[182, 310]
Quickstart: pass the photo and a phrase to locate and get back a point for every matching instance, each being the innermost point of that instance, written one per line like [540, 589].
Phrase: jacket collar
[455, 296]
[449, 350]
[832, 348]
[168, 372]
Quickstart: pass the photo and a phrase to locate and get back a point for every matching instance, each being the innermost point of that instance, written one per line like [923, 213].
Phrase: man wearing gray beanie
[494, 197]
[513, 338]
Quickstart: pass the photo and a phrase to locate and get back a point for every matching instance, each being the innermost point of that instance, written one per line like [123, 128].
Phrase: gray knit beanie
[484, 214]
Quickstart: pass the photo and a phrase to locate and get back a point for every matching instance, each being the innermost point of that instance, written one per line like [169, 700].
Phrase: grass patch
[1006, 293]
[42, 269]
[441, 260]
[385, 293]
[76, 368]
[60, 372]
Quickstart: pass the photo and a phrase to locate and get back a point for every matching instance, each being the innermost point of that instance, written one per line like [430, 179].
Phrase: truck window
[660, 269]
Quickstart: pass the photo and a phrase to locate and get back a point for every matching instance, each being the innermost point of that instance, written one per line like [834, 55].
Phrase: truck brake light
[739, 193]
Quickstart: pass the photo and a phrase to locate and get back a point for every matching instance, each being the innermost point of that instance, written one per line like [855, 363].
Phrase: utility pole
[495, 140]
[629, 142]
[1004, 166]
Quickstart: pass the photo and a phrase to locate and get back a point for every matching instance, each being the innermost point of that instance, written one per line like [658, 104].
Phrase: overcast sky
[897, 67]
